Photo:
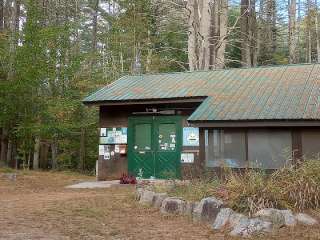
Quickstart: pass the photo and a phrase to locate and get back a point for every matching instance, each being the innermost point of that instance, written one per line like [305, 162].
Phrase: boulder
[173, 205]
[190, 206]
[235, 218]
[289, 218]
[158, 199]
[146, 197]
[222, 218]
[139, 192]
[207, 210]
[305, 219]
[253, 226]
[272, 215]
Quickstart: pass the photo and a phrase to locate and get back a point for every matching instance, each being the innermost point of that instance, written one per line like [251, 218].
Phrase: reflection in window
[269, 149]
[311, 144]
[167, 137]
[142, 137]
[225, 148]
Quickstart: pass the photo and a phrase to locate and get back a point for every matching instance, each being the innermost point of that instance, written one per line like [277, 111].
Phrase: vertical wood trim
[202, 149]
[296, 145]
[246, 146]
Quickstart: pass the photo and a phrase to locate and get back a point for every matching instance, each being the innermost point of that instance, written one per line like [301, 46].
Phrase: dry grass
[37, 206]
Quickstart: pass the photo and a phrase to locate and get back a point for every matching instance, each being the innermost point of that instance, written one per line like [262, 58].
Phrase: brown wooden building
[166, 125]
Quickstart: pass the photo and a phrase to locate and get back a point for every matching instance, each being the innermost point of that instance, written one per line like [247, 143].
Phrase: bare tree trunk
[94, 32]
[1, 15]
[317, 31]
[223, 27]
[4, 146]
[149, 55]
[54, 152]
[9, 152]
[192, 42]
[308, 41]
[292, 32]
[36, 153]
[82, 149]
[204, 31]
[245, 33]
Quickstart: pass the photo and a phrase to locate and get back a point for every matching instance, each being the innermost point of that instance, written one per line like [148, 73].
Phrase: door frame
[155, 119]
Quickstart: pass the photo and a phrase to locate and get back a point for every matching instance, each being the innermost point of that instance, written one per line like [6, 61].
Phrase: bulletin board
[113, 135]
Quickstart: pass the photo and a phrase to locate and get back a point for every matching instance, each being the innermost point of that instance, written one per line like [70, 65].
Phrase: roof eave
[256, 123]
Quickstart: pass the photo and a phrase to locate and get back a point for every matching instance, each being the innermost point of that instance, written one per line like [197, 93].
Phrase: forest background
[55, 52]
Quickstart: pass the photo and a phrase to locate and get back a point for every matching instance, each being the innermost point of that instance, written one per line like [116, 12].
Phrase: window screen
[167, 137]
[142, 138]
[311, 144]
[225, 148]
[269, 149]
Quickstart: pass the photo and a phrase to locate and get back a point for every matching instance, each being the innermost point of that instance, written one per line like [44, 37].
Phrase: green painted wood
[140, 147]
[168, 130]
[154, 146]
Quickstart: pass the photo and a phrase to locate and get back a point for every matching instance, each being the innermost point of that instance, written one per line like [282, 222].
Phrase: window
[167, 137]
[225, 148]
[142, 139]
[269, 149]
[311, 144]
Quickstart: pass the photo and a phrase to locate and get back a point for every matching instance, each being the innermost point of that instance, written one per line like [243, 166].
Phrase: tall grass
[295, 187]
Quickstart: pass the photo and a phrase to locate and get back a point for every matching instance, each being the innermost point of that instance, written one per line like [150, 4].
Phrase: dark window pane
[269, 149]
[311, 144]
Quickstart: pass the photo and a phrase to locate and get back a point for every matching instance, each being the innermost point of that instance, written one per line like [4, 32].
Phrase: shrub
[250, 191]
[294, 187]
[299, 186]
[128, 179]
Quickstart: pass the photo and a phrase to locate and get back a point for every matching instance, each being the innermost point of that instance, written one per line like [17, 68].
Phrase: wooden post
[202, 150]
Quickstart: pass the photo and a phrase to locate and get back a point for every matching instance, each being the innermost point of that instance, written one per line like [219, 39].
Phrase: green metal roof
[289, 92]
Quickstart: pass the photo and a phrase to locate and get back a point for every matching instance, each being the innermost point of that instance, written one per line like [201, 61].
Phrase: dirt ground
[37, 206]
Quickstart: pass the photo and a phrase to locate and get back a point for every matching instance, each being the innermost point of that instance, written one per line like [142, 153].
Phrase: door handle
[142, 152]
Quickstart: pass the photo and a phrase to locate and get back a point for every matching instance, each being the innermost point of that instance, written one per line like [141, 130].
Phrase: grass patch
[291, 187]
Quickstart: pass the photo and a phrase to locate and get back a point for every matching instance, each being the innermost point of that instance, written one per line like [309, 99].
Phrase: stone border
[213, 211]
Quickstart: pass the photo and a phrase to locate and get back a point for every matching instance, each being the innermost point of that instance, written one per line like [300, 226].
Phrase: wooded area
[55, 52]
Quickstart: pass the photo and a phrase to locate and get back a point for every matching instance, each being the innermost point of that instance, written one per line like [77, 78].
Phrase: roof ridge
[222, 69]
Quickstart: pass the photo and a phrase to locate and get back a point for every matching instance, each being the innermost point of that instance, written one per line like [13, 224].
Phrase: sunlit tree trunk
[292, 32]
[223, 30]
[317, 31]
[36, 153]
[192, 31]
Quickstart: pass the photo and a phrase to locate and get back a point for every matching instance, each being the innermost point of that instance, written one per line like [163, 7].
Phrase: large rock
[139, 192]
[248, 227]
[289, 218]
[305, 219]
[173, 205]
[190, 206]
[235, 218]
[207, 210]
[275, 216]
[158, 199]
[147, 197]
[223, 218]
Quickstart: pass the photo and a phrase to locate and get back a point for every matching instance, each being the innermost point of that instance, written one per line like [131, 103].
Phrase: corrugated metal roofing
[266, 93]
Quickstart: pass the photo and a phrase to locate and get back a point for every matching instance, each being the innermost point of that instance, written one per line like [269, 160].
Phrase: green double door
[154, 146]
